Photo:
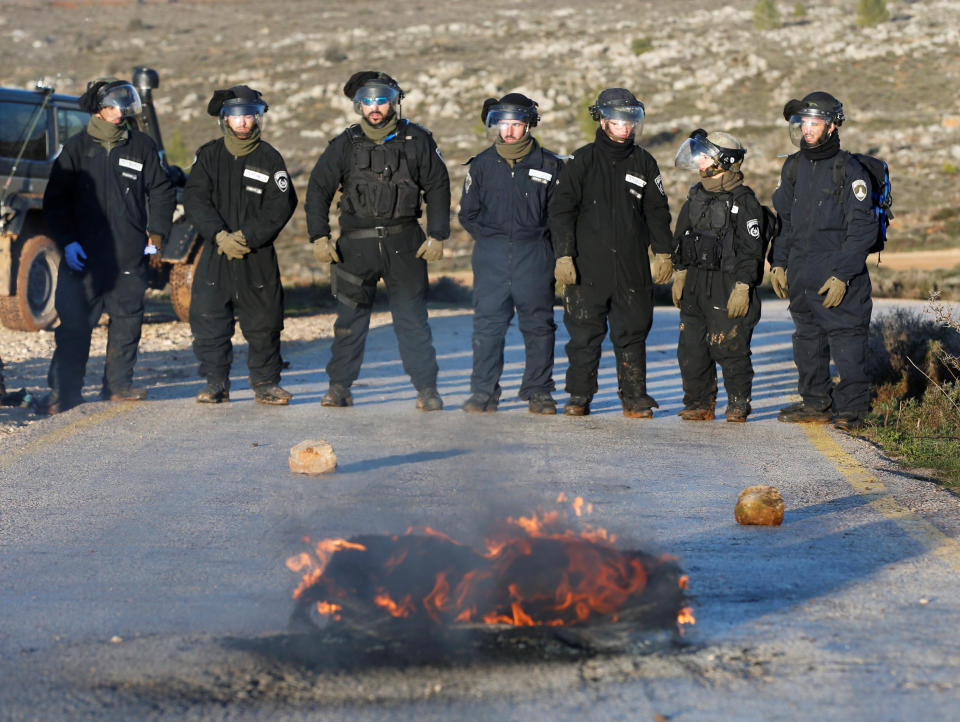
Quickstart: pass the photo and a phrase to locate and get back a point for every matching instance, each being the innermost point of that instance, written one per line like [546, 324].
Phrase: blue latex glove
[75, 256]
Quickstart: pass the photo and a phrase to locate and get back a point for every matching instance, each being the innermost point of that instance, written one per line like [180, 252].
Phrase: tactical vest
[379, 185]
[708, 243]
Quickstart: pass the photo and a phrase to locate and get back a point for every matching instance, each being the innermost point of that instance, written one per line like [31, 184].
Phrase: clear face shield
[622, 121]
[508, 125]
[696, 154]
[812, 125]
[242, 118]
[124, 98]
[375, 100]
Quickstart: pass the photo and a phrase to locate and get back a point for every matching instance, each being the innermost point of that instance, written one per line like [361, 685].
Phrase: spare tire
[33, 308]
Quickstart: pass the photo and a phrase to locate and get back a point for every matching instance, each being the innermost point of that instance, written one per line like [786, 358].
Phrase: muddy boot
[637, 409]
[429, 399]
[481, 403]
[214, 393]
[848, 421]
[271, 394]
[57, 402]
[697, 413]
[800, 413]
[337, 396]
[127, 393]
[577, 406]
[737, 413]
[541, 402]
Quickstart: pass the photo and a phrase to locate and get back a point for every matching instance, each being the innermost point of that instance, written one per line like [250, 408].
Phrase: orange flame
[586, 575]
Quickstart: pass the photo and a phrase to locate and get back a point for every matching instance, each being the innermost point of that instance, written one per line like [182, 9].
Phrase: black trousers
[365, 261]
[249, 290]
[709, 337]
[510, 275]
[839, 333]
[586, 310]
[80, 300]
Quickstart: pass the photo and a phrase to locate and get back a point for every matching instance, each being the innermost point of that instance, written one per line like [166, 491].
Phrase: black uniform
[827, 231]
[505, 210]
[100, 200]
[379, 237]
[718, 243]
[608, 209]
[253, 194]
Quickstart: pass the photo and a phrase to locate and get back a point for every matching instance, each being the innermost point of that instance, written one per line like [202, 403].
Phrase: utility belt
[376, 231]
[700, 249]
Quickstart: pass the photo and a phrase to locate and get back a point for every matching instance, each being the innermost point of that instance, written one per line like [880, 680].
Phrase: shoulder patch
[753, 227]
[467, 182]
[282, 180]
[659, 181]
[859, 188]
[440, 155]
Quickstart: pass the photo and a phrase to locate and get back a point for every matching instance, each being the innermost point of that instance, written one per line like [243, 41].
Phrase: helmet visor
[233, 112]
[508, 124]
[375, 94]
[124, 98]
[695, 154]
[812, 125]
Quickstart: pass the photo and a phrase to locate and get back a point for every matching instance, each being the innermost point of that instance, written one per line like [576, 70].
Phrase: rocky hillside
[692, 64]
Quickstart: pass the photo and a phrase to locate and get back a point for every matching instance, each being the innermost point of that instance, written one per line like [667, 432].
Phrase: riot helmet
[111, 93]
[510, 118]
[710, 153]
[818, 110]
[237, 102]
[370, 88]
[618, 110]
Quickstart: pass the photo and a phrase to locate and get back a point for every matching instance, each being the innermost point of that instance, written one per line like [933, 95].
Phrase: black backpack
[881, 189]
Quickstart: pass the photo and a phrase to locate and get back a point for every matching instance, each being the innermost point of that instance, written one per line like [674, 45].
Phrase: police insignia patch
[659, 181]
[753, 227]
[467, 182]
[282, 180]
[860, 189]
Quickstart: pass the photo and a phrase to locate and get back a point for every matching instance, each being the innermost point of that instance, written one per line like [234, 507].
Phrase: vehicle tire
[33, 308]
[181, 283]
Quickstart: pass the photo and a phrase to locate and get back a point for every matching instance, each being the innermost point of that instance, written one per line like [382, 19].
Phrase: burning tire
[181, 283]
[33, 308]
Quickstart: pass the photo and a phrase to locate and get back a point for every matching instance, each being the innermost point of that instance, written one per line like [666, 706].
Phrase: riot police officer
[822, 249]
[609, 208]
[109, 201]
[386, 167]
[240, 197]
[504, 207]
[719, 260]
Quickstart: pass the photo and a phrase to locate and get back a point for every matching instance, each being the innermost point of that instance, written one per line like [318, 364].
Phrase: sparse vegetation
[950, 168]
[799, 10]
[871, 12]
[178, 152]
[766, 16]
[642, 45]
[916, 372]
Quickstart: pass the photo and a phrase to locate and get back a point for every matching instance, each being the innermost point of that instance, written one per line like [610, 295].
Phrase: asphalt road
[142, 551]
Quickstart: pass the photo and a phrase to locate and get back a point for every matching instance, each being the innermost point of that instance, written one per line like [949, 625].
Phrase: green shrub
[799, 10]
[871, 12]
[178, 152]
[766, 16]
[639, 46]
[950, 168]
[916, 408]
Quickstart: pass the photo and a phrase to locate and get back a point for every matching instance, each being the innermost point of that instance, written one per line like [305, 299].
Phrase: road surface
[142, 550]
